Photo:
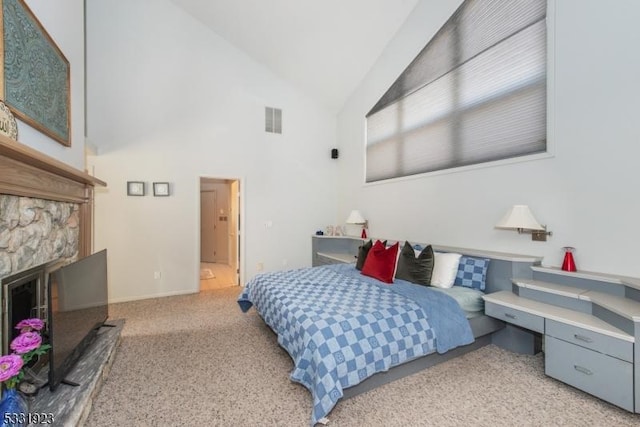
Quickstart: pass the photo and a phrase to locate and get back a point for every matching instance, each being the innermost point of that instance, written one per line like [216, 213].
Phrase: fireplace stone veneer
[36, 231]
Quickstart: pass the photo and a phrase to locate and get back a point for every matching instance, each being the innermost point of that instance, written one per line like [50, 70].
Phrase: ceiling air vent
[272, 120]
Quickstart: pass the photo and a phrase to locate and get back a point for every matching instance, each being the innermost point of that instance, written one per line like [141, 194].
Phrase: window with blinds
[476, 93]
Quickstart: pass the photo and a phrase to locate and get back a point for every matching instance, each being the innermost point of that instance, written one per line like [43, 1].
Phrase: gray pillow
[415, 269]
[363, 251]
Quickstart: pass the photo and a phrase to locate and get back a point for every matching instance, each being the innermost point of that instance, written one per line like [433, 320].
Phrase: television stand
[70, 383]
[65, 382]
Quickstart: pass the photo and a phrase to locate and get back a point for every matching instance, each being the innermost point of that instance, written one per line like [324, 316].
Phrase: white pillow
[445, 269]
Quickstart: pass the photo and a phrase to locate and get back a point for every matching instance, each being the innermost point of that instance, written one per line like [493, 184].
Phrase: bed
[347, 333]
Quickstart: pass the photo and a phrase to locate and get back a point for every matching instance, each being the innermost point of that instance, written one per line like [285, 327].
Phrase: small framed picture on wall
[160, 189]
[135, 188]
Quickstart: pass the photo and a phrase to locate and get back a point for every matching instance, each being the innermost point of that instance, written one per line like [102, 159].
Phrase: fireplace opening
[22, 303]
[23, 297]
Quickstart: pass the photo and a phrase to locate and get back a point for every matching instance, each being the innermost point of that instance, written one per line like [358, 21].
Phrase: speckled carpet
[197, 360]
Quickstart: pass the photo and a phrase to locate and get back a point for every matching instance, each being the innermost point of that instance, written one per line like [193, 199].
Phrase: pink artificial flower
[27, 325]
[26, 342]
[10, 366]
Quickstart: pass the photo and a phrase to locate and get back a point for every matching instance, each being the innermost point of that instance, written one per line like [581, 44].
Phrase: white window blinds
[476, 93]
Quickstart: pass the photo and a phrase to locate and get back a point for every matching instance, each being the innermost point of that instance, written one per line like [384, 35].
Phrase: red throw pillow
[381, 262]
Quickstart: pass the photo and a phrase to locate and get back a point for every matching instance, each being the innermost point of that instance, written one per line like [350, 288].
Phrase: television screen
[78, 307]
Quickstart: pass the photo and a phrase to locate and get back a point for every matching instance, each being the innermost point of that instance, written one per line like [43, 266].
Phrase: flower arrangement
[25, 347]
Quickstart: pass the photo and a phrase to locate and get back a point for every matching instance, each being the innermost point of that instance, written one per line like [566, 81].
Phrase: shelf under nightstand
[338, 257]
[334, 249]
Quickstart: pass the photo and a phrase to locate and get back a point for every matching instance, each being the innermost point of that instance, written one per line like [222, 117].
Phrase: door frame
[240, 231]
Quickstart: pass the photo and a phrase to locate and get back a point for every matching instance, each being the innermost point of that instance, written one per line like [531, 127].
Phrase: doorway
[219, 233]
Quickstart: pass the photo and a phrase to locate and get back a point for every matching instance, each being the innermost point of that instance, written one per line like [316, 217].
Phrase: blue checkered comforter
[340, 327]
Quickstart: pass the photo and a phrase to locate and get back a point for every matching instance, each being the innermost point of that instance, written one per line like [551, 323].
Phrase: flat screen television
[78, 307]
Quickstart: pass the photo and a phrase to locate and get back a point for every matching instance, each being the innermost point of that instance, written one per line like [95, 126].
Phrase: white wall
[587, 193]
[64, 21]
[168, 100]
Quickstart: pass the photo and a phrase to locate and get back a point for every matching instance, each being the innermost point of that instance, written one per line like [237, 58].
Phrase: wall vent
[272, 120]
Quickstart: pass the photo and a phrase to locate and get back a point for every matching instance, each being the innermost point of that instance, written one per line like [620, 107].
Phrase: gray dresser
[589, 324]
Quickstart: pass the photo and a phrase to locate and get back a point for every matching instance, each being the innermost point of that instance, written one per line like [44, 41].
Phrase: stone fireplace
[33, 234]
[45, 217]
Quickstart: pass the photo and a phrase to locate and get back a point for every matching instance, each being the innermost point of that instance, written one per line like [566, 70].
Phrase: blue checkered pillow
[472, 272]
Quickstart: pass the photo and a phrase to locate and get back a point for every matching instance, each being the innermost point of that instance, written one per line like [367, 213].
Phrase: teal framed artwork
[35, 73]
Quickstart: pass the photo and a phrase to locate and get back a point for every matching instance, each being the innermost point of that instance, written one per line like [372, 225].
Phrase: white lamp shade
[355, 217]
[519, 216]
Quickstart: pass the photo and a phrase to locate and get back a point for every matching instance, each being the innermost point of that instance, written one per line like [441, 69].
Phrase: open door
[234, 230]
[219, 233]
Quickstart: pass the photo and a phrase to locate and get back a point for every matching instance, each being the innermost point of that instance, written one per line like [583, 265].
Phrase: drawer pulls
[510, 316]
[582, 370]
[582, 338]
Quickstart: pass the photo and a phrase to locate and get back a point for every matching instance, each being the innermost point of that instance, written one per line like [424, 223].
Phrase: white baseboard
[150, 296]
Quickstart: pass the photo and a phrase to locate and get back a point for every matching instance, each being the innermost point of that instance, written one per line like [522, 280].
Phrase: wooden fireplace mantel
[29, 173]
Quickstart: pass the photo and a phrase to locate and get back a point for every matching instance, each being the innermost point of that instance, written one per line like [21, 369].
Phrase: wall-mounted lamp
[355, 217]
[519, 217]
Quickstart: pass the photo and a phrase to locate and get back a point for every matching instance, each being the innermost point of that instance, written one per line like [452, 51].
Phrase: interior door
[234, 231]
[208, 226]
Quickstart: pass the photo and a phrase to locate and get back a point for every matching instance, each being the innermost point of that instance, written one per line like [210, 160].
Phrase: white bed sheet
[469, 299]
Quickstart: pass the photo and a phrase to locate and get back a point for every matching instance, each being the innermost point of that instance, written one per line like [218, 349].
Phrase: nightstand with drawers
[590, 324]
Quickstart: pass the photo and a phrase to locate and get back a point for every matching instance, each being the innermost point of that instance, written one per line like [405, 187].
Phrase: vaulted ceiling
[323, 47]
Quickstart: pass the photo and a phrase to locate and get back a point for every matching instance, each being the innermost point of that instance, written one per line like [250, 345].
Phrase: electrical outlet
[285, 262]
[260, 266]
[157, 275]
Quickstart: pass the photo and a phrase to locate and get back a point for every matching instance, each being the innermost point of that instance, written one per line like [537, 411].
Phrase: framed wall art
[135, 188]
[161, 189]
[36, 91]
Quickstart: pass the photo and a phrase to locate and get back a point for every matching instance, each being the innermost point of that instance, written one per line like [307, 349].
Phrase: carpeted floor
[196, 360]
